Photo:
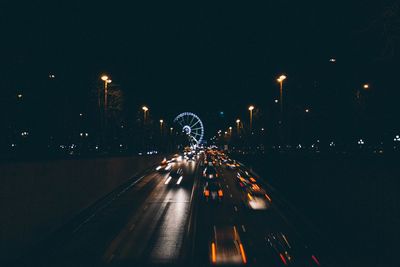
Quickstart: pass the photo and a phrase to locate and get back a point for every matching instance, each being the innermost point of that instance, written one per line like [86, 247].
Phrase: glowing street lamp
[280, 81]
[161, 125]
[238, 125]
[106, 80]
[145, 111]
[251, 108]
[366, 86]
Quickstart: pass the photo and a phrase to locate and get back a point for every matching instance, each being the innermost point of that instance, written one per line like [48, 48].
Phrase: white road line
[244, 229]
[231, 196]
[236, 209]
[167, 181]
[227, 186]
[131, 228]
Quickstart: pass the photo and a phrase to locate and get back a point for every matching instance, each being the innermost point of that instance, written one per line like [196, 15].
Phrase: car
[213, 191]
[190, 157]
[210, 172]
[175, 177]
[244, 179]
[165, 166]
[226, 247]
[208, 159]
[256, 198]
[232, 164]
[289, 254]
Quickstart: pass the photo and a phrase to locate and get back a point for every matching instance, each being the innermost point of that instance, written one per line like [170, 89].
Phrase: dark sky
[200, 56]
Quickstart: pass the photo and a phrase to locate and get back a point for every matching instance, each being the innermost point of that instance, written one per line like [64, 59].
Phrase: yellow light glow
[237, 121]
[251, 108]
[281, 78]
[104, 77]
[213, 253]
[242, 253]
[145, 108]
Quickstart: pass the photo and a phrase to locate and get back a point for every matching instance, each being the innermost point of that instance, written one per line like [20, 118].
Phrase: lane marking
[236, 209]
[243, 228]
[131, 228]
[180, 179]
[227, 186]
[167, 181]
[231, 196]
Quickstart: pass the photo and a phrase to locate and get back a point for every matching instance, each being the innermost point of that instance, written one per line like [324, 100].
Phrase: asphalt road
[155, 221]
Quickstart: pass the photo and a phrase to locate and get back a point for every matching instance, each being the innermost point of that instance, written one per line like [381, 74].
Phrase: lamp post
[161, 126]
[145, 110]
[251, 117]
[280, 81]
[106, 82]
[238, 126]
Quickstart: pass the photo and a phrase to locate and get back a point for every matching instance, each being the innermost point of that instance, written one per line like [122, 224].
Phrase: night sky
[202, 57]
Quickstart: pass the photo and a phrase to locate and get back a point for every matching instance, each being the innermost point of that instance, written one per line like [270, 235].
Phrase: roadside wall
[38, 197]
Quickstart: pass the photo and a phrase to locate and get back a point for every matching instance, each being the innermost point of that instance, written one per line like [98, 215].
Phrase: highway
[154, 220]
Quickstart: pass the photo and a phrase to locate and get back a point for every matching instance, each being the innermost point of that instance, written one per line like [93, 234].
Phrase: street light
[251, 117]
[145, 110]
[161, 125]
[230, 130]
[106, 80]
[238, 125]
[366, 86]
[280, 80]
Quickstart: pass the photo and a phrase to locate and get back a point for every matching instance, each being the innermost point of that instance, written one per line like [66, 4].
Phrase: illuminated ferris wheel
[192, 126]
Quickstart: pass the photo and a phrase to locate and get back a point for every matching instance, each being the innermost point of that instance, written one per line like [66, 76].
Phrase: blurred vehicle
[226, 247]
[289, 254]
[256, 198]
[190, 156]
[176, 158]
[213, 191]
[210, 172]
[175, 177]
[208, 160]
[165, 166]
[232, 164]
[245, 179]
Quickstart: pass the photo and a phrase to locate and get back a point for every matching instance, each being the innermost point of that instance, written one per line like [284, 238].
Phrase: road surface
[152, 220]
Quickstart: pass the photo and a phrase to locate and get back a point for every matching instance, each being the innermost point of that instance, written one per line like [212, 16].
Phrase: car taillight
[206, 193]
[216, 175]
[220, 193]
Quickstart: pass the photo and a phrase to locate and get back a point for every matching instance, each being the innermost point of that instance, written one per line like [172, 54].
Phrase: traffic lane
[258, 224]
[155, 234]
[86, 243]
[213, 213]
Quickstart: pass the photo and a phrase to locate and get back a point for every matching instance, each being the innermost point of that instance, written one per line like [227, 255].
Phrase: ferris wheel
[192, 126]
